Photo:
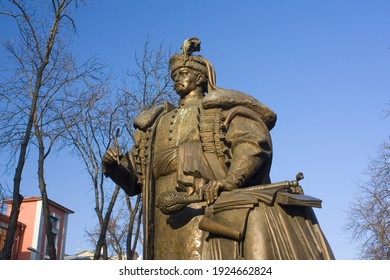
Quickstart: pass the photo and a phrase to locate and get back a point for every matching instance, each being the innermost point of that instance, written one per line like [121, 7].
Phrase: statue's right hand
[110, 160]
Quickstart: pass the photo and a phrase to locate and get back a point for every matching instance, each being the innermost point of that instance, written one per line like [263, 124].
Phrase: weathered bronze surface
[203, 170]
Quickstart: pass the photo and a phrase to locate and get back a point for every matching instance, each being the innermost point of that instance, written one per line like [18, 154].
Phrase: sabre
[171, 202]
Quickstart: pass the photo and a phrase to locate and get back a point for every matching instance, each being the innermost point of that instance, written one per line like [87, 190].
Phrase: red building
[31, 230]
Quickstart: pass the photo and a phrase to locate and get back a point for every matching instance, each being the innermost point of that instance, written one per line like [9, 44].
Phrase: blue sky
[322, 66]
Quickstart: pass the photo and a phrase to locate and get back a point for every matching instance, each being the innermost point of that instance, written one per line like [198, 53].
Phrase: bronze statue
[203, 170]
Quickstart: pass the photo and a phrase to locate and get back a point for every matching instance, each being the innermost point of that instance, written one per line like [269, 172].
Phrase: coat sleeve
[251, 150]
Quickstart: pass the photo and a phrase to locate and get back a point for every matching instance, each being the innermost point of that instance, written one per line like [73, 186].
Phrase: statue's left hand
[212, 189]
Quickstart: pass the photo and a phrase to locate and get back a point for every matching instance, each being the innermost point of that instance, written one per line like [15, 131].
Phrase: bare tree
[97, 130]
[90, 137]
[116, 233]
[58, 102]
[369, 216]
[134, 227]
[43, 28]
[119, 228]
[148, 83]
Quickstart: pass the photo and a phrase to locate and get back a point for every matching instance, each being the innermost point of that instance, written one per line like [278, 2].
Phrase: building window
[55, 224]
[3, 233]
[55, 228]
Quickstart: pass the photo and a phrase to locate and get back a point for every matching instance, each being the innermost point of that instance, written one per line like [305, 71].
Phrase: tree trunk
[9, 239]
[51, 249]
[130, 244]
[103, 227]
[26, 25]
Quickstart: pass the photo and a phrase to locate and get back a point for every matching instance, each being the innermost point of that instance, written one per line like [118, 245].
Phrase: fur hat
[194, 62]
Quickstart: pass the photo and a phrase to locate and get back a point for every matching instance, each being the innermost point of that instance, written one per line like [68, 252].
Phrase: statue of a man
[215, 147]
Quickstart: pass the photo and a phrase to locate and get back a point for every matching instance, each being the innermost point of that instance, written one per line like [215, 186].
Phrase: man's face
[185, 80]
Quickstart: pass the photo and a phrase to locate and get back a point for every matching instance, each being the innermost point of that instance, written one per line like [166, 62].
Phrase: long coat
[225, 134]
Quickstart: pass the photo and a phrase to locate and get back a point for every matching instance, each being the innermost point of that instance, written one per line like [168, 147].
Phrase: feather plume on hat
[186, 59]
[195, 62]
[190, 46]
